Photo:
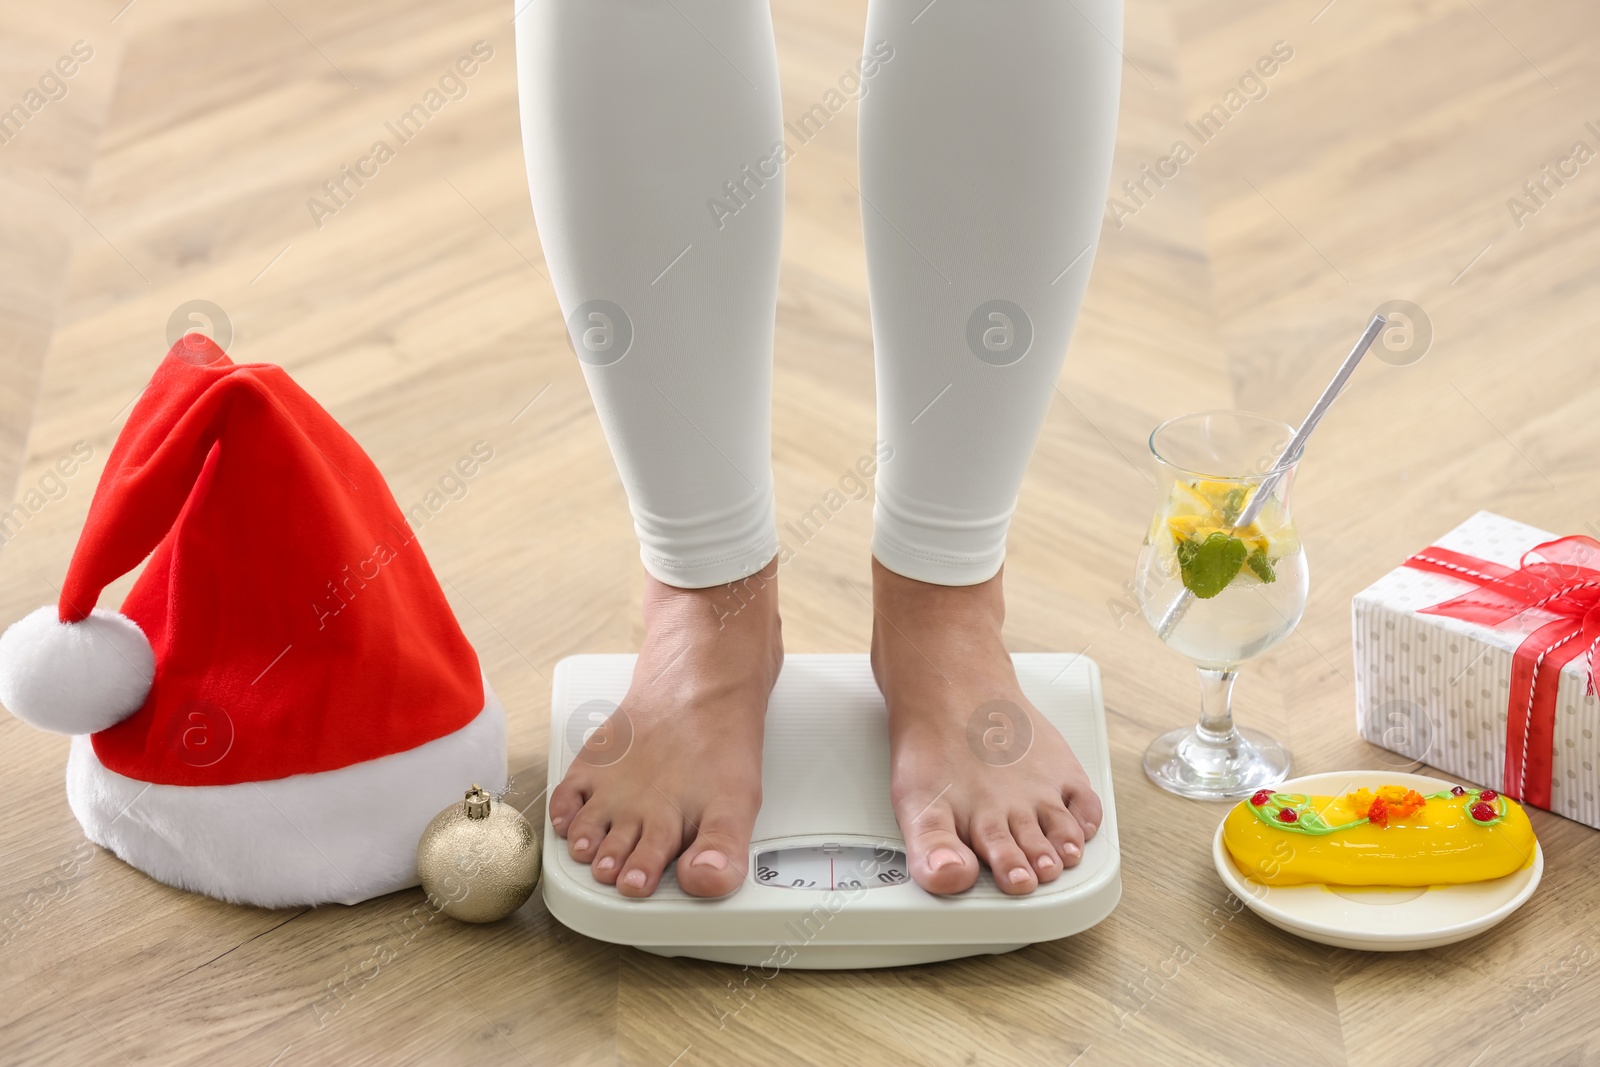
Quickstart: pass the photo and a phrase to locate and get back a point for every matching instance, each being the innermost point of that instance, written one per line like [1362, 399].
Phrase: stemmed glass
[1221, 578]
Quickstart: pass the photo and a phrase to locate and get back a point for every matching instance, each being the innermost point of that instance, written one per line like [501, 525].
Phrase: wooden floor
[1377, 166]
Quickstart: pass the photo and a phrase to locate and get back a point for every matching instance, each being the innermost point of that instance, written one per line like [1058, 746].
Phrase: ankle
[753, 598]
[908, 602]
[728, 632]
[920, 630]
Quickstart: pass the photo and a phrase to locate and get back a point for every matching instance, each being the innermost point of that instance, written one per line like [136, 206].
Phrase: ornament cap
[477, 803]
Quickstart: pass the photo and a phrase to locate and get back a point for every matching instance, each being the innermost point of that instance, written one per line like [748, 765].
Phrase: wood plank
[1377, 165]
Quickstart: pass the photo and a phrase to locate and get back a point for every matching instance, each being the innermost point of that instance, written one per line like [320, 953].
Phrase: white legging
[655, 145]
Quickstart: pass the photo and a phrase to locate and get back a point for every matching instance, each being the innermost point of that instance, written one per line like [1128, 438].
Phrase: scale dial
[832, 866]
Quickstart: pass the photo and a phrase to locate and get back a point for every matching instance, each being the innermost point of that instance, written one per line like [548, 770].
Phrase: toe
[1040, 852]
[715, 863]
[1062, 828]
[641, 871]
[586, 831]
[993, 842]
[940, 861]
[619, 842]
[1086, 809]
[565, 801]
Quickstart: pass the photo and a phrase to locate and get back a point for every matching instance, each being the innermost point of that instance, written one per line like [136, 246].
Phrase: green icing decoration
[1500, 808]
[1310, 822]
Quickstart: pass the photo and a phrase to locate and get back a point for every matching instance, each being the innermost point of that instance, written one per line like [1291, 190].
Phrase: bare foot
[1022, 804]
[676, 771]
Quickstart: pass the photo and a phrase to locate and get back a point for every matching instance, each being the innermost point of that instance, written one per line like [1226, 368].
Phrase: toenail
[634, 879]
[1089, 829]
[1018, 875]
[710, 858]
[1046, 862]
[1071, 850]
[941, 858]
[559, 821]
[605, 863]
[580, 844]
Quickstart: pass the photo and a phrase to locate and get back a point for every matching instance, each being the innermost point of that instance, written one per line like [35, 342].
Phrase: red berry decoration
[1488, 794]
[1457, 791]
[1482, 812]
[1260, 797]
[1288, 815]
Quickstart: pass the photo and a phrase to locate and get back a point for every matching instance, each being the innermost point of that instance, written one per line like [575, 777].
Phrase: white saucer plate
[1379, 919]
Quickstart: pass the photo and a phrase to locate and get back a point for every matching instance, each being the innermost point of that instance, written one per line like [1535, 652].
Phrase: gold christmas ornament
[478, 860]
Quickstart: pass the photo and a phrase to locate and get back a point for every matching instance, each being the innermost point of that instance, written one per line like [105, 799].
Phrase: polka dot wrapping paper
[1436, 690]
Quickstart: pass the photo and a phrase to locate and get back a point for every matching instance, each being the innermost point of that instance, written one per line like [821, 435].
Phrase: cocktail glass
[1219, 590]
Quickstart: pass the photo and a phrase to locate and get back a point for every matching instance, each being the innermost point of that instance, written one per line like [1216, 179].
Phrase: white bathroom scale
[827, 885]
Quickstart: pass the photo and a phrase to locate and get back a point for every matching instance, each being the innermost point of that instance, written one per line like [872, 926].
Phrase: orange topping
[1378, 812]
[1408, 803]
[1391, 802]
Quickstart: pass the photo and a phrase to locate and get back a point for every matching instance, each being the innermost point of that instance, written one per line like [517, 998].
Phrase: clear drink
[1221, 577]
[1262, 600]
[1240, 623]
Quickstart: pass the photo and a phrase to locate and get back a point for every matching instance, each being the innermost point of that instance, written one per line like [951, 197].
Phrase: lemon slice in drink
[1270, 532]
[1186, 500]
[1223, 494]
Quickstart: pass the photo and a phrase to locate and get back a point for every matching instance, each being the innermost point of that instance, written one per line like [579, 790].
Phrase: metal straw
[1285, 460]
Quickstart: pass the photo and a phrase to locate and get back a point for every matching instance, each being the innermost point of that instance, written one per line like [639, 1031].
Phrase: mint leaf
[1259, 563]
[1233, 504]
[1212, 564]
[1186, 551]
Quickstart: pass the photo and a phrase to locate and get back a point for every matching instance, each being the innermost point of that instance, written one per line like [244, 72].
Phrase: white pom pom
[77, 677]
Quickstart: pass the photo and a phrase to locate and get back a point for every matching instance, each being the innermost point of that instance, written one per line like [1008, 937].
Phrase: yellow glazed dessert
[1391, 837]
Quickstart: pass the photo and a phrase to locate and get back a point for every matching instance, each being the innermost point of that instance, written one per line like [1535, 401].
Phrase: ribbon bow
[1560, 577]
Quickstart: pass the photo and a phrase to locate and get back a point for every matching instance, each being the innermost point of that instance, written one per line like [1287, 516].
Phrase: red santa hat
[285, 699]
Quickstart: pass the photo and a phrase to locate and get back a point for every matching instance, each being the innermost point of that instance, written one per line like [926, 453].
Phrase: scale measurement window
[831, 866]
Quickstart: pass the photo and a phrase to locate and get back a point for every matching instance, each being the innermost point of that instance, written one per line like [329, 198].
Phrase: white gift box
[1435, 690]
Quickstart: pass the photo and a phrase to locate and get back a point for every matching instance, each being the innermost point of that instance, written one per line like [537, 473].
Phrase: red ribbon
[1562, 578]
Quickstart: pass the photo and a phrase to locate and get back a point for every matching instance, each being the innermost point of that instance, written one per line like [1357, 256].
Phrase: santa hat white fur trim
[74, 677]
[340, 836]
